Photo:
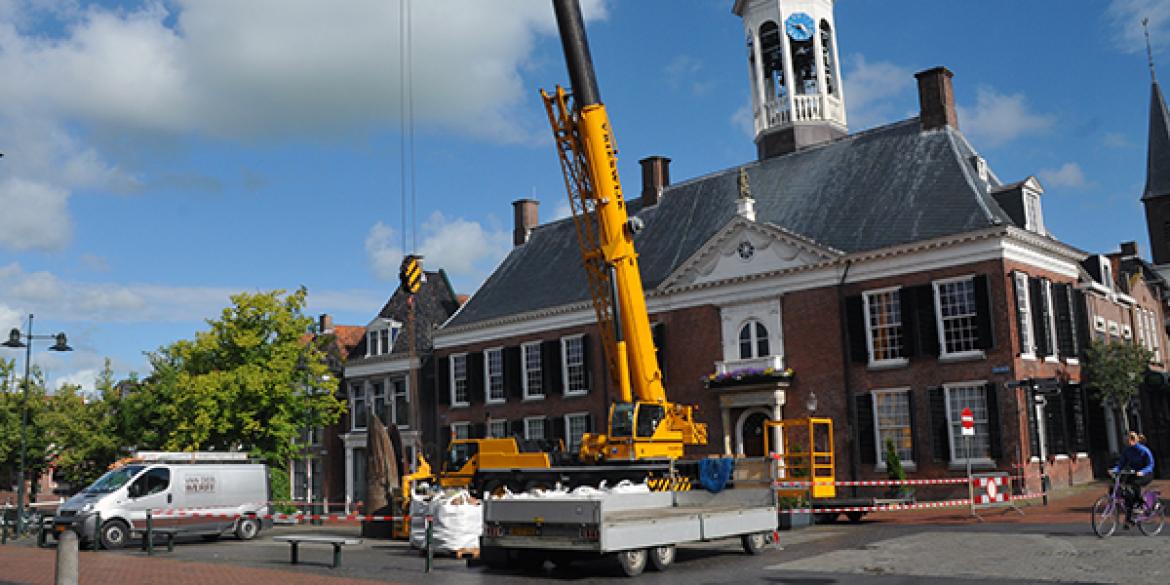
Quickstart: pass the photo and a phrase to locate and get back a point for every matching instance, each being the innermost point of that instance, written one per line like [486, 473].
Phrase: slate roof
[434, 303]
[1158, 153]
[884, 187]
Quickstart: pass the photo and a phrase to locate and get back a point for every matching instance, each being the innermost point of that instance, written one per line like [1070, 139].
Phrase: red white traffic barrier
[871, 483]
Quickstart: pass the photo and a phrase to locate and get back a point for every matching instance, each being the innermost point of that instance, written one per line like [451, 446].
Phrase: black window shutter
[1033, 428]
[512, 385]
[589, 423]
[658, 333]
[1021, 316]
[586, 362]
[1072, 297]
[478, 431]
[551, 356]
[939, 428]
[475, 376]
[984, 328]
[855, 317]
[906, 301]
[1054, 418]
[927, 325]
[1040, 329]
[994, 433]
[555, 427]
[518, 428]
[443, 381]
[1075, 409]
[1064, 321]
[866, 442]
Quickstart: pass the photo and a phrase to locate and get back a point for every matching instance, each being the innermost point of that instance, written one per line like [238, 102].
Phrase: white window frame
[907, 462]
[353, 405]
[565, 377]
[940, 324]
[953, 424]
[1099, 324]
[571, 445]
[1028, 333]
[525, 349]
[1033, 213]
[869, 327]
[392, 397]
[466, 381]
[376, 387]
[488, 375]
[528, 420]
[1126, 332]
[753, 339]
[497, 421]
[1053, 342]
[464, 426]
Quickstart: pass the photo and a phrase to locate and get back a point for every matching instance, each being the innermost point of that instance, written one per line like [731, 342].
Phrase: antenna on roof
[1149, 50]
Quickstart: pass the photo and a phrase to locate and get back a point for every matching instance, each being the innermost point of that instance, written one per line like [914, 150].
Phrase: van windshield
[113, 479]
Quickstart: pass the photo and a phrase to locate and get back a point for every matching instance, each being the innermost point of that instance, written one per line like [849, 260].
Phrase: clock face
[745, 250]
[799, 26]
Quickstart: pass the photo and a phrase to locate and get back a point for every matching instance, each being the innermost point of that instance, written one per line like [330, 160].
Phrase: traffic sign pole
[968, 427]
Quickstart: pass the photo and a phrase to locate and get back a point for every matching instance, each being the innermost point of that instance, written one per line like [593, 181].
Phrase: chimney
[325, 324]
[936, 98]
[655, 178]
[1129, 249]
[525, 219]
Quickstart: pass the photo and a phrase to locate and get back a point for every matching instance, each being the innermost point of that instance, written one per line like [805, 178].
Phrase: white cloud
[1116, 140]
[1125, 17]
[684, 72]
[876, 93]
[9, 318]
[1068, 175]
[86, 379]
[465, 249]
[35, 215]
[742, 119]
[998, 119]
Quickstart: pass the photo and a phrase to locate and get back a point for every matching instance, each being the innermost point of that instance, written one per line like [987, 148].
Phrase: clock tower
[795, 74]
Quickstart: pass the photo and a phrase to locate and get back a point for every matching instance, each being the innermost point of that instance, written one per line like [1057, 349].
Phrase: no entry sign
[968, 422]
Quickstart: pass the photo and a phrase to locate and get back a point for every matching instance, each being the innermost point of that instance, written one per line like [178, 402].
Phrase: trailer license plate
[524, 531]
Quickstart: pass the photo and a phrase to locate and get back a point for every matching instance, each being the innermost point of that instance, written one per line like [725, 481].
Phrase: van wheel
[114, 534]
[754, 543]
[662, 557]
[247, 528]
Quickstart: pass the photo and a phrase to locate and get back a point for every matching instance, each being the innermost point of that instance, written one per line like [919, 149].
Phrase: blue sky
[162, 155]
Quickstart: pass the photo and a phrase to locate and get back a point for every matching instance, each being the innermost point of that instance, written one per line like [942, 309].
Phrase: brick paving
[32, 566]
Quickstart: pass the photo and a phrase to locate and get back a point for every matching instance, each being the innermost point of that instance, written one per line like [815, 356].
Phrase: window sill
[959, 465]
[495, 401]
[1051, 359]
[576, 394]
[908, 466]
[1072, 361]
[461, 405]
[1028, 357]
[888, 364]
[967, 356]
[533, 398]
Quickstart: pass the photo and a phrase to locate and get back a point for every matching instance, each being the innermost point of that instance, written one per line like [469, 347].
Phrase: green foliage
[895, 471]
[1113, 371]
[280, 487]
[251, 383]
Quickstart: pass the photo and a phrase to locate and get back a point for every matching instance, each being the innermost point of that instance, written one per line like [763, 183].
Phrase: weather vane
[1149, 50]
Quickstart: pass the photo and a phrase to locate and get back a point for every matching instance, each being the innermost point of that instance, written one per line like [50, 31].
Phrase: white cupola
[794, 72]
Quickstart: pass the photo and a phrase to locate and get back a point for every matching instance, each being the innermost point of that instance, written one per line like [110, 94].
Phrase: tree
[253, 382]
[1113, 372]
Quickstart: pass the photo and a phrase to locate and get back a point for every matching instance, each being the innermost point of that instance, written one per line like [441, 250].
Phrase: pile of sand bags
[458, 521]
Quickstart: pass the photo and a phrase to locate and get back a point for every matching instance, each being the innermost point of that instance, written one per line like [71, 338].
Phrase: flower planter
[794, 520]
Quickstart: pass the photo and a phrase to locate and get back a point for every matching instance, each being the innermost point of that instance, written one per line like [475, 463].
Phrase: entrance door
[753, 434]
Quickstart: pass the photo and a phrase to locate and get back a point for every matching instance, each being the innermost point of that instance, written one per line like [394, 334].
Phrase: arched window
[827, 58]
[753, 340]
[772, 52]
[804, 66]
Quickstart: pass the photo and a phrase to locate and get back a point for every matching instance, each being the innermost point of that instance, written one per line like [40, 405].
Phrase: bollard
[430, 524]
[149, 534]
[41, 534]
[67, 564]
[97, 531]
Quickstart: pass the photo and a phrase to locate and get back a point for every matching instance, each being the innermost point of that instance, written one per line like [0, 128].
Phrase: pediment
[746, 248]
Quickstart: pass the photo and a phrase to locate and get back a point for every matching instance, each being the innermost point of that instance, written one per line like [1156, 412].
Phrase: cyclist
[1137, 458]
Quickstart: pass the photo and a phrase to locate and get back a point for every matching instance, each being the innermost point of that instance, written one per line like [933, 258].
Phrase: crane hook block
[411, 274]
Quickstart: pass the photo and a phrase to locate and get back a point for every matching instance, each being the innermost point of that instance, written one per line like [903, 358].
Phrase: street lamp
[14, 341]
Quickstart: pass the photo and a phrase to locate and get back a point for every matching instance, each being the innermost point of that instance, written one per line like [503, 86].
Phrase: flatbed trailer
[635, 528]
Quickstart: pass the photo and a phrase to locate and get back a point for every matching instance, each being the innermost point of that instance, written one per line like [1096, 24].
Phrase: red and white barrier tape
[871, 483]
[293, 516]
[882, 508]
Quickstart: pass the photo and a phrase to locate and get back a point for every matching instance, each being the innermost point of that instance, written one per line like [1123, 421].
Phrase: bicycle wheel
[1152, 525]
[1105, 516]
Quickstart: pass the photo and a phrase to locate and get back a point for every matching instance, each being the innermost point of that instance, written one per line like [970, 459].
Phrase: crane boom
[588, 154]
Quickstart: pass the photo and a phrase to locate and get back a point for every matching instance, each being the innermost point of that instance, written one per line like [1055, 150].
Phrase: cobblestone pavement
[1046, 544]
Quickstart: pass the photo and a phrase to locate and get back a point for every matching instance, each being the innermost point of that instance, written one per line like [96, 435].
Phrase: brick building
[889, 272]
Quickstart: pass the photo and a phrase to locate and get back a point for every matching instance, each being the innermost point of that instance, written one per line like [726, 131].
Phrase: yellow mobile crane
[643, 423]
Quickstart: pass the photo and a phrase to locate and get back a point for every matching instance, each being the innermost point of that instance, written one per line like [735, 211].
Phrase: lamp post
[14, 341]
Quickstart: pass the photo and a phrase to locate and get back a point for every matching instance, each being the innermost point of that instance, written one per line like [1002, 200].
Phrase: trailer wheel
[754, 543]
[662, 557]
[632, 562]
[247, 528]
[854, 517]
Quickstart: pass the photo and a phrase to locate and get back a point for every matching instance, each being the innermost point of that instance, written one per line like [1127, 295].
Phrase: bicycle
[1150, 515]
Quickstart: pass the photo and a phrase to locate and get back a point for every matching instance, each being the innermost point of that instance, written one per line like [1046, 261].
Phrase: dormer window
[1106, 273]
[1033, 216]
[380, 336]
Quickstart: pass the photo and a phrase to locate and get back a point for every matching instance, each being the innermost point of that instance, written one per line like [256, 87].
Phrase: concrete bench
[336, 541]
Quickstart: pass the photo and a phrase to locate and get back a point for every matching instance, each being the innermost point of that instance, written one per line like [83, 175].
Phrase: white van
[215, 495]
